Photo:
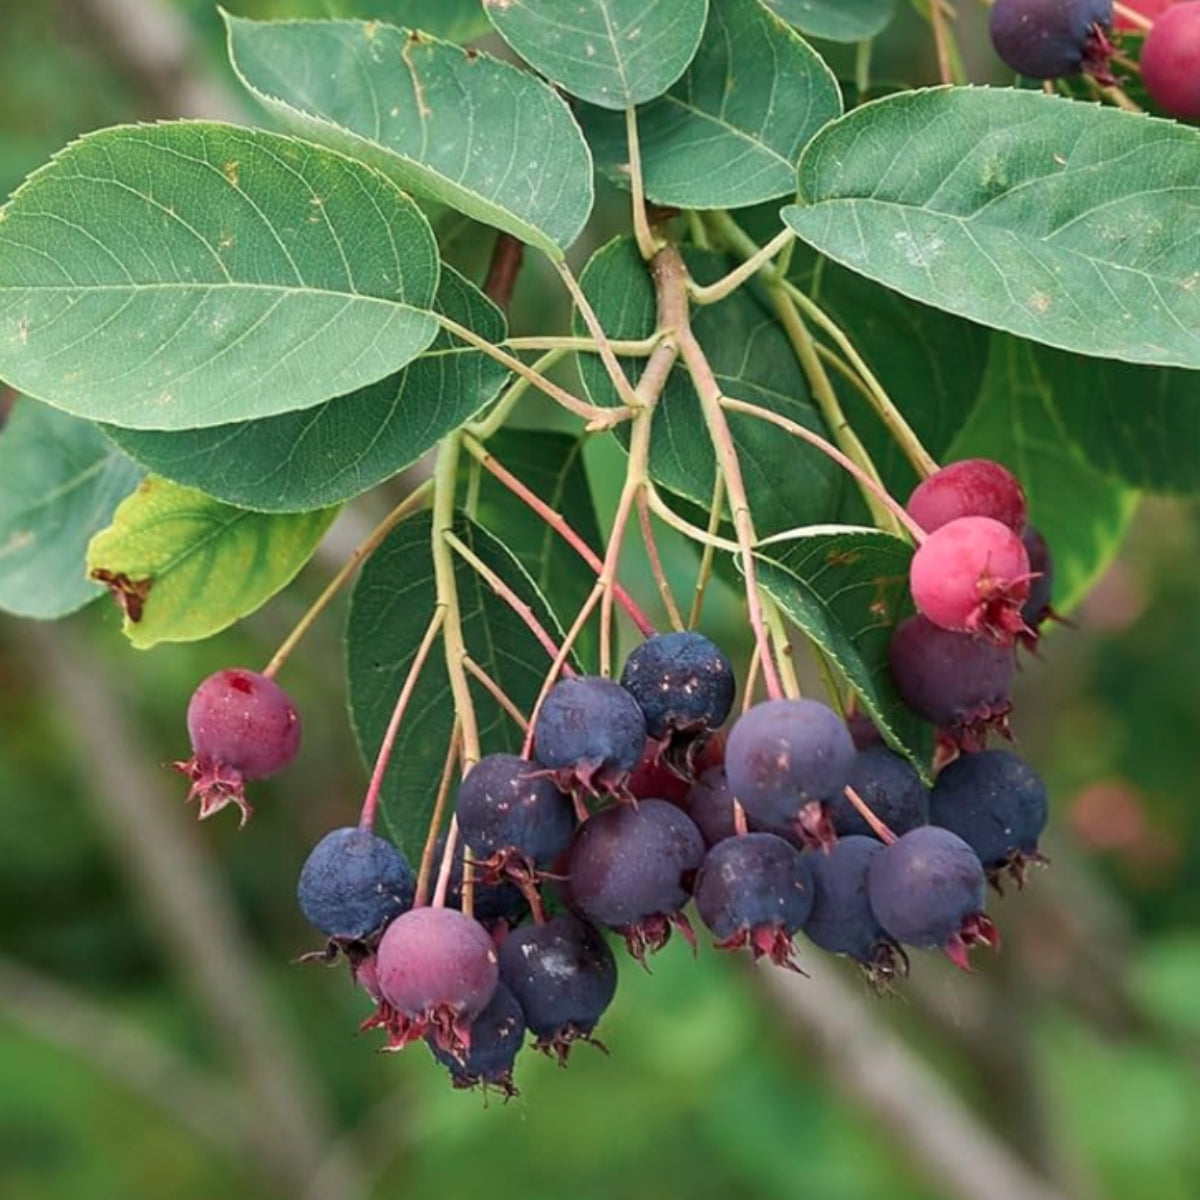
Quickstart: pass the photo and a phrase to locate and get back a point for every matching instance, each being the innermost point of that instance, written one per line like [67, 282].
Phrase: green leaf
[390, 610]
[1082, 515]
[454, 20]
[184, 566]
[551, 465]
[610, 52]
[836, 20]
[190, 274]
[1066, 223]
[59, 483]
[729, 132]
[339, 449]
[847, 588]
[789, 483]
[460, 127]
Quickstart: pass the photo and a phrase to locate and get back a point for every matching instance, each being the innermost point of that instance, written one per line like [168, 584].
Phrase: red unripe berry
[972, 576]
[974, 487]
[1151, 9]
[1171, 61]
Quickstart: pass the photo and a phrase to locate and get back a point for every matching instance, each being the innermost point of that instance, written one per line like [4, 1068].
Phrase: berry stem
[881, 831]
[807, 435]
[558, 523]
[435, 821]
[486, 426]
[728, 284]
[753, 670]
[656, 564]
[637, 348]
[363, 551]
[704, 572]
[671, 283]
[497, 692]
[1133, 16]
[1114, 94]
[783, 648]
[647, 244]
[942, 42]
[447, 865]
[740, 827]
[669, 516]
[371, 801]
[523, 610]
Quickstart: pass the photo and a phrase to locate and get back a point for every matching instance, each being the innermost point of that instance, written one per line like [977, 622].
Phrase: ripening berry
[631, 868]
[996, 802]
[1148, 8]
[653, 779]
[353, 883]
[591, 733]
[497, 1035]
[974, 487]
[892, 790]
[928, 889]
[956, 681]
[1047, 39]
[710, 805]
[564, 976]
[972, 576]
[1171, 61]
[437, 970]
[242, 726]
[755, 891]
[787, 760]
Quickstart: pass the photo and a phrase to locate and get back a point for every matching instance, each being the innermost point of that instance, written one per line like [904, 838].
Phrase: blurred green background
[155, 1042]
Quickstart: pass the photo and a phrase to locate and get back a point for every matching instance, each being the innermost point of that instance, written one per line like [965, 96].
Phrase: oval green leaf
[613, 53]
[184, 566]
[835, 20]
[461, 127]
[1066, 223]
[60, 482]
[190, 274]
[337, 450]
[728, 134]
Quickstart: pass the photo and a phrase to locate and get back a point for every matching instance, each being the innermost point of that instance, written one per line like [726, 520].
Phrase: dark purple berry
[631, 868]
[974, 487]
[755, 891]
[863, 730]
[436, 971]
[242, 726]
[498, 906]
[1047, 39]
[564, 976]
[591, 733]
[841, 920]
[958, 682]
[928, 889]
[1038, 608]
[710, 805]
[496, 1038]
[512, 817]
[683, 682]
[787, 760]
[892, 790]
[996, 802]
[353, 883]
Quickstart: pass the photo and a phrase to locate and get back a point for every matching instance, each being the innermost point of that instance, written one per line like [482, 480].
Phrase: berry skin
[353, 883]
[974, 487]
[787, 760]
[242, 726]
[892, 789]
[841, 920]
[1038, 609]
[996, 802]
[590, 732]
[955, 681]
[710, 805]
[631, 868]
[928, 889]
[436, 970]
[1171, 61]
[564, 975]
[972, 576]
[863, 731]
[511, 817]
[652, 779]
[1047, 39]
[755, 891]
[1147, 8]
[683, 683]
[497, 1035]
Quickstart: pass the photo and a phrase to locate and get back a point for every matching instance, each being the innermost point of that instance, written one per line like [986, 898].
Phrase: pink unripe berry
[1171, 61]
[974, 487]
[972, 576]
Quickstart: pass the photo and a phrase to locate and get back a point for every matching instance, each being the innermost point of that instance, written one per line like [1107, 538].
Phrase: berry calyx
[497, 1035]
[436, 970]
[973, 487]
[927, 889]
[242, 726]
[710, 805]
[590, 732]
[498, 906]
[972, 576]
[1047, 39]
[352, 884]
[892, 790]
[755, 892]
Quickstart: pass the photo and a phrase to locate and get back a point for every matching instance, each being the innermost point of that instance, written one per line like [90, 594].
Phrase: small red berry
[1150, 9]
[974, 487]
[1171, 61]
